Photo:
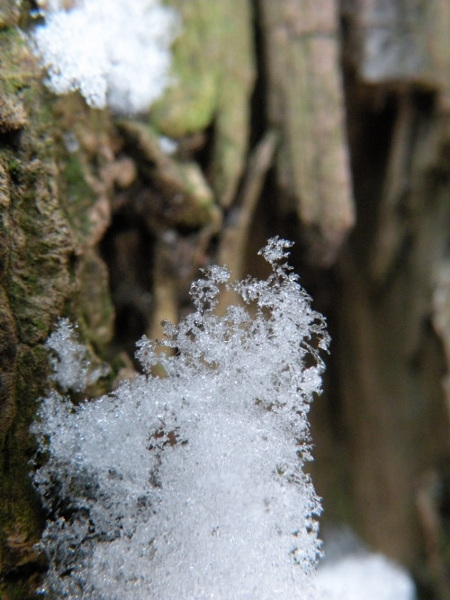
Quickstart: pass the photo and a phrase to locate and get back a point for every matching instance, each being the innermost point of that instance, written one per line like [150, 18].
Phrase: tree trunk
[323, 122]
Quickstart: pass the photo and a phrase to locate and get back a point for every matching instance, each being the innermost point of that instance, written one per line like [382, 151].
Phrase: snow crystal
[191, 486]
[69, 358]
[115, 52]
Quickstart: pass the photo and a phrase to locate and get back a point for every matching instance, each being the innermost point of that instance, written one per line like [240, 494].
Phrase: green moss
[9, 38]
[191, 101]
[22, 95]
[78, 195]
[213, 74]
[74, 178]
[15, 168]
[20, 66]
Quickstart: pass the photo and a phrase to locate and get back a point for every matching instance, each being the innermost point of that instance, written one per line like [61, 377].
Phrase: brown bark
[348, 129]
[391, 356]
[305, 102]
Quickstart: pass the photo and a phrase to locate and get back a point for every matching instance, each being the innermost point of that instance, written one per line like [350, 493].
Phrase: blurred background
[325, 122]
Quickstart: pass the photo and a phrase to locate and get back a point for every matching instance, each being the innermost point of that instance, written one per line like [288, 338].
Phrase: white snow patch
[191, 486]
[365, 577]
[115, 53]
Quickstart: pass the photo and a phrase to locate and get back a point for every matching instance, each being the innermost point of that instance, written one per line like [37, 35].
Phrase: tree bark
[324, 122]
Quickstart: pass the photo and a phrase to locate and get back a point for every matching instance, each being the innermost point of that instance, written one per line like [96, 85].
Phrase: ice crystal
[191, 486]
[116, 53]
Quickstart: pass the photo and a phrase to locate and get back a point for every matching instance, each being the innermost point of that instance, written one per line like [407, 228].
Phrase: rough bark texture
[52, 217]
[305, 102]
[324, 122]
[391, 339]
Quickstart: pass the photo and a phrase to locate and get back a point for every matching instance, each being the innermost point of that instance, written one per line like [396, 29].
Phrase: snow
[366, 576]
[68, 358]
[351, 571]
[191, 486]
[115, 53]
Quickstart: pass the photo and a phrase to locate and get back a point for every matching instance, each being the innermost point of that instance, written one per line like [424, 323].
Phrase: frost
[191, 486]
[115, 53]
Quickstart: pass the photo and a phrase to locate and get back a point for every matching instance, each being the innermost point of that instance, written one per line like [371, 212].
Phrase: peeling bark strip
[214, 74]
[306, 104]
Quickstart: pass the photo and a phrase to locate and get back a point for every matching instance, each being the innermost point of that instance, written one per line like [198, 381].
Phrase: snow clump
[115, 53]
[350, 571]
[191, 486]
[367, 576]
